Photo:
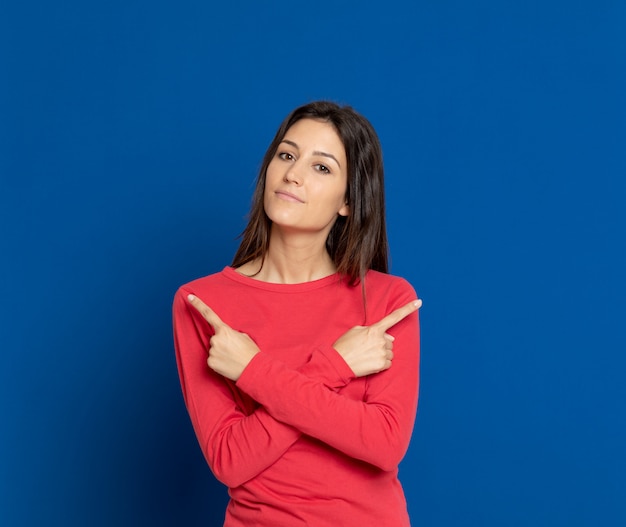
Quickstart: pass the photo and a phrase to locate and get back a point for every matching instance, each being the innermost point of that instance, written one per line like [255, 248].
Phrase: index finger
[209, 315]
[399, 314]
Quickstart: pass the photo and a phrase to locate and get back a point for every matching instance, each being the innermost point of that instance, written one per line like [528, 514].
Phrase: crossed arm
[239, 442]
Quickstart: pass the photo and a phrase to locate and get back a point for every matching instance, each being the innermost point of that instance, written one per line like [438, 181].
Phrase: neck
[295, 258]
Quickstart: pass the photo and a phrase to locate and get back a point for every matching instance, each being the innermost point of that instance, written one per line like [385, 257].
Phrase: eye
[285, 156]
[322, 168]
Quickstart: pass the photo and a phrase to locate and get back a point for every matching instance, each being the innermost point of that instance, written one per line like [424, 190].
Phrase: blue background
[130, 136]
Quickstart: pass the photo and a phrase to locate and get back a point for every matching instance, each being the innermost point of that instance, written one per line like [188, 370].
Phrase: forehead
[316, 135]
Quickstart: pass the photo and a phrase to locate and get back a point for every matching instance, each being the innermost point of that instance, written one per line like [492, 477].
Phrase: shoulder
[385, 293]
[213, 283]
[383, 283]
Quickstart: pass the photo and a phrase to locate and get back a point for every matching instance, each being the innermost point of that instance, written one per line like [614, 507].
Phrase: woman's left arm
[376, 429]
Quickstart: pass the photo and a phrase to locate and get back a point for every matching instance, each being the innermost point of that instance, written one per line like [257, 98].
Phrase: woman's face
[306, 181]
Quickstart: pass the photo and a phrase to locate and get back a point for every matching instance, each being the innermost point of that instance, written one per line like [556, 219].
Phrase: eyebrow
[315, 153]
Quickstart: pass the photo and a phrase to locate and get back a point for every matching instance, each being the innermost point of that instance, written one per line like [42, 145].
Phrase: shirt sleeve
[238, 437]
[376, 429]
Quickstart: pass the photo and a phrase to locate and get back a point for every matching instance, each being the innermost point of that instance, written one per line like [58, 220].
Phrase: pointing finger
[209, 315]
[399, 314]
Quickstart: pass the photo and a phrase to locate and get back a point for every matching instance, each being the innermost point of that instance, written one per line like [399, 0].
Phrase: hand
[230, 350]
[369, 349]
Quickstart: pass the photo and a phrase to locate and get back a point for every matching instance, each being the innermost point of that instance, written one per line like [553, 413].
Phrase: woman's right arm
[237, 443]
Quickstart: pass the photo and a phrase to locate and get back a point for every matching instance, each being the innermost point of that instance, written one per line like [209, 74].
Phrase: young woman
[299, 363]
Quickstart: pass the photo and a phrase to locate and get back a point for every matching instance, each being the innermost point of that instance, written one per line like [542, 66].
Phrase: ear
[344, 211]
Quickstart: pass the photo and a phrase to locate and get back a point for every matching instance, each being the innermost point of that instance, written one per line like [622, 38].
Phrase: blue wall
[130, 135]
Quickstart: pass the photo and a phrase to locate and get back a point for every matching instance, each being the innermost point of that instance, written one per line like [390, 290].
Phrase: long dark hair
[357, 242]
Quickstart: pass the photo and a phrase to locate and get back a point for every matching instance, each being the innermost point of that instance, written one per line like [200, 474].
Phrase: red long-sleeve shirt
[298, 439]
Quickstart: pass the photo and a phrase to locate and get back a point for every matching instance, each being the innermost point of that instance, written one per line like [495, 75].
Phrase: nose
[292, 174]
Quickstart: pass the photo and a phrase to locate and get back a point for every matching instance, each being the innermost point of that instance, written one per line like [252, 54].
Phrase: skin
[305, 191]
[310, 165]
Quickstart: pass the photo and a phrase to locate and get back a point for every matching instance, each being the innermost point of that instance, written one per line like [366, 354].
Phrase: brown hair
[357, 242]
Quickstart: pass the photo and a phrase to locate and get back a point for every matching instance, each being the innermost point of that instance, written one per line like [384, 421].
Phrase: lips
[288, 196]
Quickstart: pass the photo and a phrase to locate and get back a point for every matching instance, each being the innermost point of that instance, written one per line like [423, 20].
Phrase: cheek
[270, 179]
[337, 196]
[269, 173]
[329, 202]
